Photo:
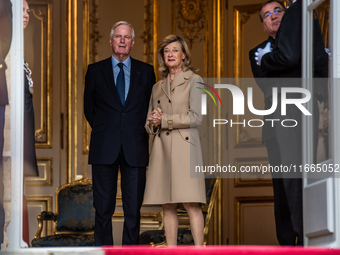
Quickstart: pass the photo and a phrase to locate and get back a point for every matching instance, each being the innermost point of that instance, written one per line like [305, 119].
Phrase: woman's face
[173, 55]
[26, 13]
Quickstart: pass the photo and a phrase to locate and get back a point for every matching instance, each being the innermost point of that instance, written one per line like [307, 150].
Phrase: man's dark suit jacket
[115, 126]
[285, 60]
[258, 73]
[265, 84]
[5, 43]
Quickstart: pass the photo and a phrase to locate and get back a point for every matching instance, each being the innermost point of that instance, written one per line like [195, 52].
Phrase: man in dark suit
[5, 43]
[281, 58]
[116, 99]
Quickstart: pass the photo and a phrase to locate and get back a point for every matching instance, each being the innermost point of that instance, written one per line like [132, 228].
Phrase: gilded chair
[73, 218]
[184, 237]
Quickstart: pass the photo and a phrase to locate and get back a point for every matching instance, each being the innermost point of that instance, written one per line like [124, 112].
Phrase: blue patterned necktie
[121, 83]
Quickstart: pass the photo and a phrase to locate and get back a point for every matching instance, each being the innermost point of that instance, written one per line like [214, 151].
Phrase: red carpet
[214, 250]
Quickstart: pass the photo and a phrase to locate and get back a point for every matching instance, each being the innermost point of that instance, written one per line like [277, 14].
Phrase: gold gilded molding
[204, 35]
[217, 71]
[86, 60]
[75, 93]
[39, 54]
[218, 36]
[241, 16]
[191, 19]
[45, 203]
[71, 91]
[147, 33]
[242, 138]
[239, 202]
[218, 55]
[68, 89]
[322, 13]
[94, 35]
[45, 177]
[252, 179]
[155, 38]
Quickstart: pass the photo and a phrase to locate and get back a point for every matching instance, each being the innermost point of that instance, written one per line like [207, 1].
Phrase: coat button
[159, 135]
[187, 138]
[167, 133]
[159, 101]
[169, 101]
[123, 113]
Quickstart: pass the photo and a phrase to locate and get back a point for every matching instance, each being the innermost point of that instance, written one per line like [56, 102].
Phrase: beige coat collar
[180, 79]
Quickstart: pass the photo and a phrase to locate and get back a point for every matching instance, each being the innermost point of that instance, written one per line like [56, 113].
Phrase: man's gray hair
[119, 23]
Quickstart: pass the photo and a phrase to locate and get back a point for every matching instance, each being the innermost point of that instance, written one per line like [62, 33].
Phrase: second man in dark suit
[116, 97]
[282, 60]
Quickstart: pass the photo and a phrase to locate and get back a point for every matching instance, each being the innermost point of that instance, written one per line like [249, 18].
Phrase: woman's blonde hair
[186, 65]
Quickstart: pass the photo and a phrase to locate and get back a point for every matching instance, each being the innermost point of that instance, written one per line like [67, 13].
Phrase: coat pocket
[185, 134]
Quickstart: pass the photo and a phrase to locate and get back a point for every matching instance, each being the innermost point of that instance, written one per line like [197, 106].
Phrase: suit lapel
[180, 79]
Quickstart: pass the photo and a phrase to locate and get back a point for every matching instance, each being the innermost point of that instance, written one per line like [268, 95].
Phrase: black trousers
[285, 148]
[104, 179]
[287, 201]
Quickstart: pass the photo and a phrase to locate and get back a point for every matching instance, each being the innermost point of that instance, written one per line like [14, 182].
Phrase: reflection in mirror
[321, 105]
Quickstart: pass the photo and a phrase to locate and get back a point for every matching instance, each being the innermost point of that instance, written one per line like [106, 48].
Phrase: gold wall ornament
[95, 35]
[191, 19]
[148, 31]
[322, 14]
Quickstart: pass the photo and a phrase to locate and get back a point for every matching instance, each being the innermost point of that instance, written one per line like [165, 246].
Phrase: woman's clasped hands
[155, 118]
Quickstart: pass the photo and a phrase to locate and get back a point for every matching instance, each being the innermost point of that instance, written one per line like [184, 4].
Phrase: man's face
[271, 21]
[122, 42]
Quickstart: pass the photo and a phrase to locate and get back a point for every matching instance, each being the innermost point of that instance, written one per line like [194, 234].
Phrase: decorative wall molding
[45, 177]
[45, 204]
[38, 53]
[252, 179]
[240, 203]
[242, 15]
[147, 36]
[95, 35]
[191, 19]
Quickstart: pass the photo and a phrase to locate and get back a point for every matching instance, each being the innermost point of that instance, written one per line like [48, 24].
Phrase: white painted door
[321, 189]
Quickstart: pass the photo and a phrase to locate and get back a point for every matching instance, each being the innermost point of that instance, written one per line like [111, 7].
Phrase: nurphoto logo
[239, 104]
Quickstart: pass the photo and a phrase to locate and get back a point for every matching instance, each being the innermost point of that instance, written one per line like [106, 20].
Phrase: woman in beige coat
[173, 117]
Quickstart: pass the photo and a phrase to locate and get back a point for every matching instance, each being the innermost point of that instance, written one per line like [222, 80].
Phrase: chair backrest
[209, 186]
[74, 207]
[212, 186]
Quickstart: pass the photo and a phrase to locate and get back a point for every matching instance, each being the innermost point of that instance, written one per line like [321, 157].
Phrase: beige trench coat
[176, 148]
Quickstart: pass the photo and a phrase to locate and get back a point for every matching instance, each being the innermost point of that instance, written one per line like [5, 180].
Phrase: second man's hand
[261, 52]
